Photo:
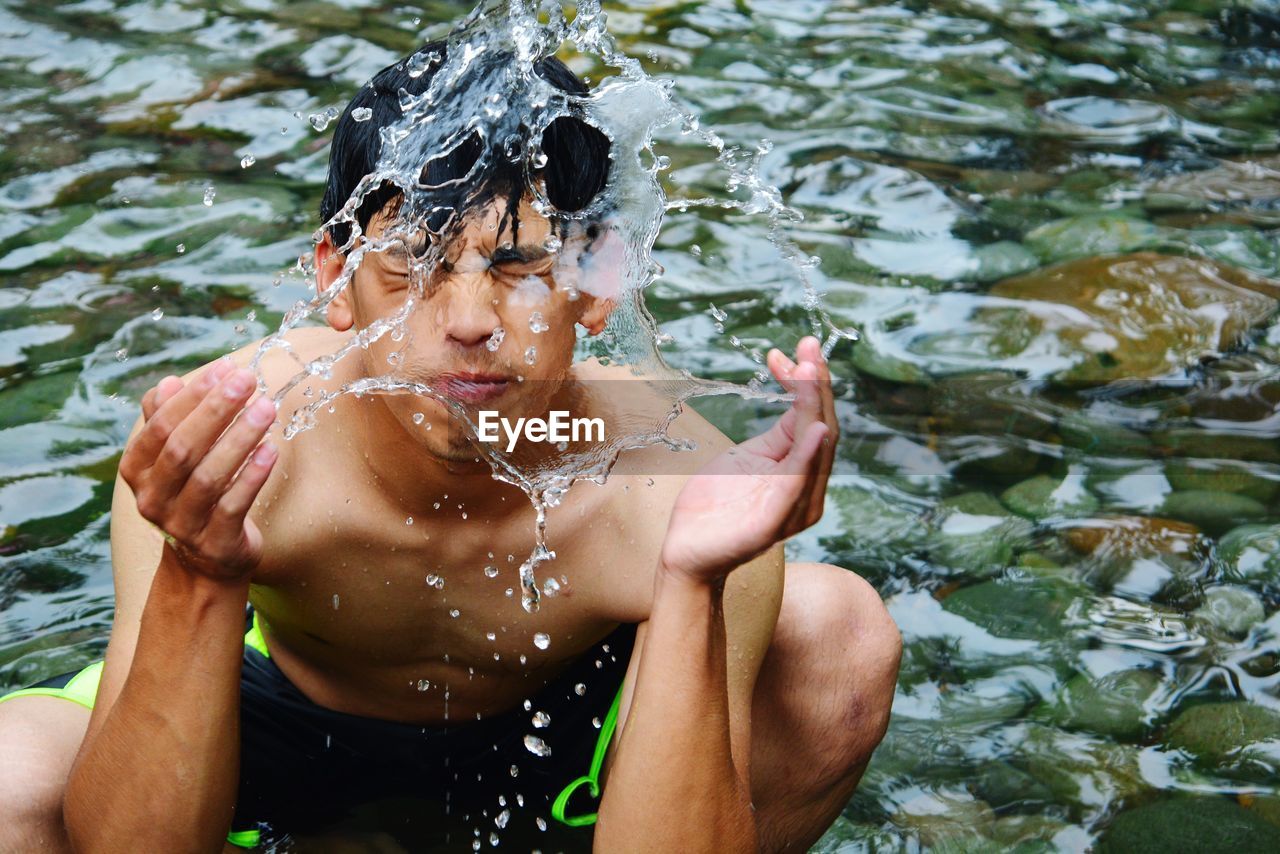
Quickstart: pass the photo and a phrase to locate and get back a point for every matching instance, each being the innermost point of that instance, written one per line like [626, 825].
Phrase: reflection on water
[1054, 225]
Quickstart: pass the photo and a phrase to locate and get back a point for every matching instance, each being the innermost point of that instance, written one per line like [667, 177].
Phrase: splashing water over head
[482, 205]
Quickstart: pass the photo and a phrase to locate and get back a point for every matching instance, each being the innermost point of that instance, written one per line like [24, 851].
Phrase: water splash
[602, 250]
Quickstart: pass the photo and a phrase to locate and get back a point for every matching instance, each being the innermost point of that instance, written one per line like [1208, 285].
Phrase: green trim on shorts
[592, 777]
[253, 638]
[82, 689]
[245, 838]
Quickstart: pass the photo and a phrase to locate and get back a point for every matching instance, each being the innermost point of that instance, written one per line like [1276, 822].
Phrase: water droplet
[541, 822]
[537, 746]
[209, 193]
[455, 613]
[695, 250]
[417, 64]
[181, 248]
[493, 839]
[435, 581]
[408, 520]
[536, 322]
[321, 120]
[531, 355]
[541, 720]
[418, 418]
[595, 722]
[475, 845]
[542, 640]
[502, 819]
[490, 636]
[251, 316]
[157, 314]
[550, 587]
[580, 689]
[361, 114]
[491, 571]
[495, 339]
[423, 684]
[335, 601]
[247, 161]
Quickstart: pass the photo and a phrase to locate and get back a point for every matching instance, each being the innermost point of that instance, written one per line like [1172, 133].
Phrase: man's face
[493, 323]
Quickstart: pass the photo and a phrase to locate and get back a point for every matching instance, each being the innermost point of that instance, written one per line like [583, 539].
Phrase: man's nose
[470, 315]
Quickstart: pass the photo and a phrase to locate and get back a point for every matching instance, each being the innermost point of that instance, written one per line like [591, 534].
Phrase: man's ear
[595, 314]
[329, 264]
[601, 279]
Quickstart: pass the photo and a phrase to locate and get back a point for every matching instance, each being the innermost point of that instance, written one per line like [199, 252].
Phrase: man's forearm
[160, 773]
[673, 784]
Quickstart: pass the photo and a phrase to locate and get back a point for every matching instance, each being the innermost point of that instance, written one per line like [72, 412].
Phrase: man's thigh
[39, 739]
[821, 703]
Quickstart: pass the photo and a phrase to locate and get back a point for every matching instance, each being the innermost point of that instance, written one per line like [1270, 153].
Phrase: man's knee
[854, 648]
[39, 739]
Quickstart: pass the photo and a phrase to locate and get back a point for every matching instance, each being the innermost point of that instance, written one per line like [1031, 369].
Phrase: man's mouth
[469, 387]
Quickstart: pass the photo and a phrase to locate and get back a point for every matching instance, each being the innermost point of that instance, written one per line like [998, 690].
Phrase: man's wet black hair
[577, 154]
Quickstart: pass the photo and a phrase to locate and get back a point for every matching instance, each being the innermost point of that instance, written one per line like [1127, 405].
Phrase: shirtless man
[388, 681]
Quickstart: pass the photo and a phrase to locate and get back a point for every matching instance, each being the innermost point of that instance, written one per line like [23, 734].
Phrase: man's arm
[158, 766]
[680, 779]
[752, 599]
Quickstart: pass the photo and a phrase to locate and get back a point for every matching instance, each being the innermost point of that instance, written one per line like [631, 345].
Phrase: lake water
[1054, 223]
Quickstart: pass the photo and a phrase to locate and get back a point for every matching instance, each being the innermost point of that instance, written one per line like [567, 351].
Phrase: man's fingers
[781, 367]
[805, 464]
[189, 442]
[170, 413]
[227, 519]
[209, 479]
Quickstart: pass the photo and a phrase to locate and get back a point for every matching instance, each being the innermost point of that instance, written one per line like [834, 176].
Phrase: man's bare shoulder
[707, 438]
[303, 345]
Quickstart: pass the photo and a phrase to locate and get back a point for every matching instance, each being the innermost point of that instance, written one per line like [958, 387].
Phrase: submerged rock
[1234, 610]
[1251, 554]
[950, 817]
[1193, 476]
[1139, 316]
[976, 534]
[1043, 496]
[1213, 512]
[1094, 234]
[1032, 608]
[1191, 825]
[1134, 536]
[1113, 705]
[1224, 733]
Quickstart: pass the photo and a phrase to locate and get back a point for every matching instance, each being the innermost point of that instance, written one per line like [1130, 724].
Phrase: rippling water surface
[1053, 222]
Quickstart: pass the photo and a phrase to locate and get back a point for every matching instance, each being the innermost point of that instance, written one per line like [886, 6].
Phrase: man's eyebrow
[524, 254]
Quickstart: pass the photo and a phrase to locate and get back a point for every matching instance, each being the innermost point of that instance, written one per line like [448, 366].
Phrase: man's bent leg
[39, 740]
[821, 702]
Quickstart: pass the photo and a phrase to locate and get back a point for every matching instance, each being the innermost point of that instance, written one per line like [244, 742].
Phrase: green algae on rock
[1113, 705]
[1226, 735]
[1192, 825]
[1043, 496]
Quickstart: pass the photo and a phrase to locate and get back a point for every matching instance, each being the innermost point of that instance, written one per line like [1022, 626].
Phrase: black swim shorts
[527, 778]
